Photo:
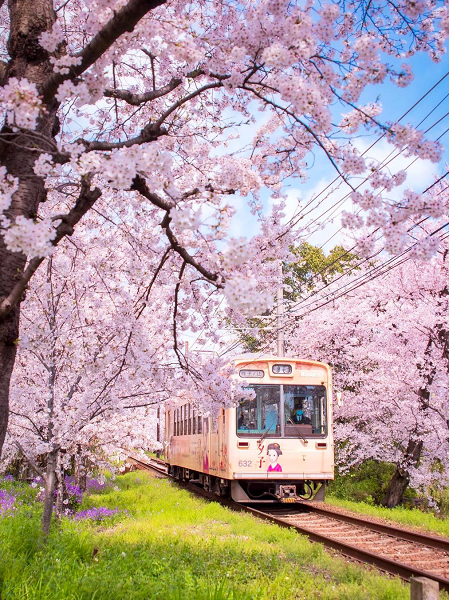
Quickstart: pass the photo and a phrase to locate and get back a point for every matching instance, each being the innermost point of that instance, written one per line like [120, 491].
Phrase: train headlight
[282, 369]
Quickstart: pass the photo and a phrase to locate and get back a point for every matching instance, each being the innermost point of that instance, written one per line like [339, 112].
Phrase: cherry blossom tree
[388, 343]
[84, 382]
[93, 366]
[139, 104]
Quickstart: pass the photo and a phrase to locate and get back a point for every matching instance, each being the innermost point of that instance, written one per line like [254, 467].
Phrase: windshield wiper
[265, 433]
[298, 433]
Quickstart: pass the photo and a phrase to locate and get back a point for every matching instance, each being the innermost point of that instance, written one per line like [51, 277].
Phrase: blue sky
[395, 101]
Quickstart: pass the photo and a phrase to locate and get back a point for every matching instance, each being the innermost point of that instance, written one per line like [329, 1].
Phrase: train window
[190, 421]
[194, 422]
[200, 424]
[305, 410]
[185, 419]
[215, 423]
[175, 422]
[206, 424]
[181, 421]
[260, 415]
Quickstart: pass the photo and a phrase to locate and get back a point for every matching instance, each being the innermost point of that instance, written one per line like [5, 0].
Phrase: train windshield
[304, 411]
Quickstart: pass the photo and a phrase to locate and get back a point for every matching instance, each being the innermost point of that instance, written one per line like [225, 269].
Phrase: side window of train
[190, 420]
[215, 424]
[194, 422]
[206, 424]
[185, 419]
[182, 421]
[200, 424]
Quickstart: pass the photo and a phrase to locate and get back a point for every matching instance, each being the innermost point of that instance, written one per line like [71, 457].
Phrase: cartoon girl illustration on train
[274, 452]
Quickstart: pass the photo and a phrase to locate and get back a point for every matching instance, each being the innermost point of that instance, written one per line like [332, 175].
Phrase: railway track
[149, 464]
[392, 549]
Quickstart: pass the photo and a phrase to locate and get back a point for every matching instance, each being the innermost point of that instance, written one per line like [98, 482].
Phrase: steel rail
[411, 536]
[385, 564]
[154, 464]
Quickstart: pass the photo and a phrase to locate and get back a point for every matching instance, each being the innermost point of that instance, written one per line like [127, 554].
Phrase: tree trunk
[29, 18]
[80, 470]
[50, 484]
[9, 332]
[61, 490]
[401, 477]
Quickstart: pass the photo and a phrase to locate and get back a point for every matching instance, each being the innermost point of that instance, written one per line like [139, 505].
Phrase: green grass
[413, 517]
[173, 546]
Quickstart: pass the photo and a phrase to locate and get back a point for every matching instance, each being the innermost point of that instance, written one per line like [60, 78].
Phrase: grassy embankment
[172, 545]
[409, 517]
[363, 489]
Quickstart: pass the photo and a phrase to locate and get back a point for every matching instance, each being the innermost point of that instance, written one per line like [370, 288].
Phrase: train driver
[297, 414]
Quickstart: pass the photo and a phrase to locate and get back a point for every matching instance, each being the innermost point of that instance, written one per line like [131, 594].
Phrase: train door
[205, 444]
[222, 445]
[168, 435]
[214, 445]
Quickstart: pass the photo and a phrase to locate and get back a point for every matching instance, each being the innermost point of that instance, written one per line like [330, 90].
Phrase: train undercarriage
[253, 491]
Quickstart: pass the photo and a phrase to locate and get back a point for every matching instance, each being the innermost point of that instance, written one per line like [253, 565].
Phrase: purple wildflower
[7, 502]
[8, 478]
[74, 491]
[96, 514]
[94, 485]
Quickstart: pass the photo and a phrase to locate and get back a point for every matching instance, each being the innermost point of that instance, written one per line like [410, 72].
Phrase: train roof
[271, 357]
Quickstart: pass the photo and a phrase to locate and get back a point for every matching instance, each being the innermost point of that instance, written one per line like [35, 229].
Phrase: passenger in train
[241, 422]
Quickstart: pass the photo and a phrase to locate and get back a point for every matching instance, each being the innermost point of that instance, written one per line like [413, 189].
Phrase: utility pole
[280, 313]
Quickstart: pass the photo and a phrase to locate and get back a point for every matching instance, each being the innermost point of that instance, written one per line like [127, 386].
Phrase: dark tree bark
[18, 153]
[50, 486]
[27, 59]
[401, 478]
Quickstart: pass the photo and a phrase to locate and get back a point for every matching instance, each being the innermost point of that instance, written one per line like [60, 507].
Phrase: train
[274, 446]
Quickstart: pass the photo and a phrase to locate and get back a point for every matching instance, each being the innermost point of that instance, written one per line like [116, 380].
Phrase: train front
[283, 448]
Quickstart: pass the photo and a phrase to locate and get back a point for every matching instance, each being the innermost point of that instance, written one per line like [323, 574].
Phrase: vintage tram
[275, 447]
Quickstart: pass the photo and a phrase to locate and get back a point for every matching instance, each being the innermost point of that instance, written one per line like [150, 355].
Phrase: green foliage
[174, 546]
[368, 483]
[311, 268]
[442, 499]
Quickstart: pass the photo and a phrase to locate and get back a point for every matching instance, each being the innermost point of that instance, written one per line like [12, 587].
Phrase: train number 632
[245, 463]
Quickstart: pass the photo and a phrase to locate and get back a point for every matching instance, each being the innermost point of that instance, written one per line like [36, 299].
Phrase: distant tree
[388, 343]
[310, 269]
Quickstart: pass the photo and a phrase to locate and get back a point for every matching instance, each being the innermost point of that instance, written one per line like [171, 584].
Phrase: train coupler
[286, 493]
